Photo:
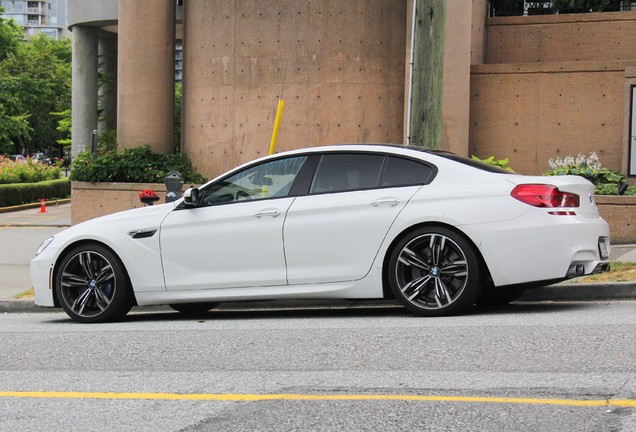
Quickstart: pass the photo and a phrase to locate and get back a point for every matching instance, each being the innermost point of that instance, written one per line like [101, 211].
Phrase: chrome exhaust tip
[575, 270]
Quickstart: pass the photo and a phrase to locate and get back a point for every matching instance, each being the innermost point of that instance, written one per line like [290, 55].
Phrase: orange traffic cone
[42, 207]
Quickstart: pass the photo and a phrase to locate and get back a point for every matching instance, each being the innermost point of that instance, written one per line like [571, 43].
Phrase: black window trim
[305, 176]
[386, 156]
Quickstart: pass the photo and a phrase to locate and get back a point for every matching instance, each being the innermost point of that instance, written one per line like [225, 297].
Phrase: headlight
[44, 244]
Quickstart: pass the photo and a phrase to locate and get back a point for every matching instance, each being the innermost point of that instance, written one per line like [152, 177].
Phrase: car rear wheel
[434, 271]
[92, 285]
[193, 308]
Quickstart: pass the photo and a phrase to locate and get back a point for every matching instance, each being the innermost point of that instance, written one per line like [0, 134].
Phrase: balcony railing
[526, 7]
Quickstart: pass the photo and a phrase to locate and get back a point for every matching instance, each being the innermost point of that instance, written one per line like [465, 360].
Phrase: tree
[14, 130]
[38, 76]
[11, 35]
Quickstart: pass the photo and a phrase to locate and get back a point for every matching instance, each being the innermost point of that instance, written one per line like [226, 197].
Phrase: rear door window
[346, 172]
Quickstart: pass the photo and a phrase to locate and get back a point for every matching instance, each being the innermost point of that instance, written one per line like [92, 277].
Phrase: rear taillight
[541, 195]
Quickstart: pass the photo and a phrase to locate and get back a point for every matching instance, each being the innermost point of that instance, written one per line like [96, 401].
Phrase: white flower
[592, 161]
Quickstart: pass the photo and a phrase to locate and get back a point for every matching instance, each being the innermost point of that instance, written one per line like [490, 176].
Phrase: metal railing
[526, 7]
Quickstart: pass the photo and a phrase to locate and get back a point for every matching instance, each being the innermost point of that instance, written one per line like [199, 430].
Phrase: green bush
[612, 189]
[501, 163]
[134, 165]
[29, 171]
[24, 193]
[585, 166]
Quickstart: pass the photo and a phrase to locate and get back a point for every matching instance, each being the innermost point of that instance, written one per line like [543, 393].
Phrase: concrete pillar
[108, 86]
[478, 38]
[84, 92]
[456, 93]
[145, 90]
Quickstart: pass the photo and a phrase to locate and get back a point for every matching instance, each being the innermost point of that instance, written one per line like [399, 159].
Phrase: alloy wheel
[88, 283]
[92, 285]
[434, 272]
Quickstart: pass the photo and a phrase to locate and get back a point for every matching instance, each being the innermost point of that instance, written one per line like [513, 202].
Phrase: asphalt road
[524, 367]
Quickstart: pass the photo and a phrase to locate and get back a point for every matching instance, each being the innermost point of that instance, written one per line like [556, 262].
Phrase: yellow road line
[628, 403]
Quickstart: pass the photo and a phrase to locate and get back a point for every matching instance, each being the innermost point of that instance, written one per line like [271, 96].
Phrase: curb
[582, 292]
[34, 205]
[574, 292]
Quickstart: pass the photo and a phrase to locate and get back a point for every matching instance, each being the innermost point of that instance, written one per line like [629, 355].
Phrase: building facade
[40, 16]
[529, 88]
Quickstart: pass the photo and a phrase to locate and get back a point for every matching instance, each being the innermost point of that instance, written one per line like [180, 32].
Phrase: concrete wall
[457, 60]
[559, 87]
[608, 36]
[91, 200]
[344, 81]
[532, 113]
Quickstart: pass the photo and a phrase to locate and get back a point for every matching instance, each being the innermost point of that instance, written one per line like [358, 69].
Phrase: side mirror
[191, 197]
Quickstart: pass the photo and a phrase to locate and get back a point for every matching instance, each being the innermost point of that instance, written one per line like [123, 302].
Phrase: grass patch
[25, 294]
[620, 272]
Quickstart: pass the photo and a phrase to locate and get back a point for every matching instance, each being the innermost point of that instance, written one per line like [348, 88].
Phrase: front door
[234, 238]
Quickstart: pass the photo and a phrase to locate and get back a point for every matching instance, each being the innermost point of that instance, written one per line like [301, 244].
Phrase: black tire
[492, 296]
[92, 285]
[193, 308]
[433, 271]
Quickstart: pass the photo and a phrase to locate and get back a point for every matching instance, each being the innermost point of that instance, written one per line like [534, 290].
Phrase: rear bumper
[538, 247]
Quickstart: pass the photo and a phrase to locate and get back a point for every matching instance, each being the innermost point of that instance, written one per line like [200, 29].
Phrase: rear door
[334, 233]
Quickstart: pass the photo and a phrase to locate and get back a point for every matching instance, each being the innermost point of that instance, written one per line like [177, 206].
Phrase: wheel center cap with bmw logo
[435, 272]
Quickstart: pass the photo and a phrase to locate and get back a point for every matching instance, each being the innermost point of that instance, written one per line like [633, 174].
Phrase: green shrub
[612, 189]
[24, 193]
[134, 165]
[29, 171]
[585, 166]
[501, 163]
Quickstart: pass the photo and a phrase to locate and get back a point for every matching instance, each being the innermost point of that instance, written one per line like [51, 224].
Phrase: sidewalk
[23, 229]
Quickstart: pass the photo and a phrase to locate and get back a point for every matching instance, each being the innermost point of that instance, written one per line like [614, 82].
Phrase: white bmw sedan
[436, 231]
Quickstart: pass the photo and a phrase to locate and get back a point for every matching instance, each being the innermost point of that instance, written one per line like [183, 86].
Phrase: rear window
[405, 172]
[471, 162]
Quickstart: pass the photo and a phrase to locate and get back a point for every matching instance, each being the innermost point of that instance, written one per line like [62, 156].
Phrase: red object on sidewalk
[42, 207]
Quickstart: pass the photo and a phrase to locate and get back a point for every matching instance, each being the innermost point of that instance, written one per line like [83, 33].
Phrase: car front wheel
[92, 285]
[434, 271]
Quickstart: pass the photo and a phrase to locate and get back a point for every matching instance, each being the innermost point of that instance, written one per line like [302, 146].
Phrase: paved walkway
[23, 230]
[21, 233]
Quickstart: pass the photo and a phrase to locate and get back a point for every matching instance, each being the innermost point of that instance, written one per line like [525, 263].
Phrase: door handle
[267, 213]
[391, 202]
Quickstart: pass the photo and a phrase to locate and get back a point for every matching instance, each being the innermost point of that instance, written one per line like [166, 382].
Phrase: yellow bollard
[279, 114]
